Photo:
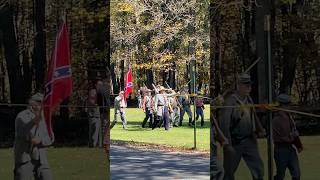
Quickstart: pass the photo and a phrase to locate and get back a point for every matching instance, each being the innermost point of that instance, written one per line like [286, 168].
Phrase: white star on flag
[56, 74]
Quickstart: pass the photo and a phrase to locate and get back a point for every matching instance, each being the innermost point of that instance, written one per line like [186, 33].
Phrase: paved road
[128, 163]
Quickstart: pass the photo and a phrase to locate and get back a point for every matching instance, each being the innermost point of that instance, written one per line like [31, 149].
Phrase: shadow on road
[138, 164]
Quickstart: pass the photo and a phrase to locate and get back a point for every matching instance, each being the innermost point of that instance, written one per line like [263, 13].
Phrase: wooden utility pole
[270, 136]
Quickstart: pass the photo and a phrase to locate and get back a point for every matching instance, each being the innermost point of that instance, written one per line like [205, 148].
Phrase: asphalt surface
[130, 163]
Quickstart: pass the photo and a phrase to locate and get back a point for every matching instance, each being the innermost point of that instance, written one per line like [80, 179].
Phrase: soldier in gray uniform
[147, 108]
[241, 127]
[175, 110]
[185, 102]
[31, 140]
[119, 105]
[94, 116]
[161, 107]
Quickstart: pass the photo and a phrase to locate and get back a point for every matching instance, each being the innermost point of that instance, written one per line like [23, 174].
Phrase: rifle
[297, 141]
[219, 134]
[167, 85]
[155, 88]
[226, 92]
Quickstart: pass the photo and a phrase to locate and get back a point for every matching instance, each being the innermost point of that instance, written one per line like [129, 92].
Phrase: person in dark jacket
[286, 141]
[185, 103]
[199, 109]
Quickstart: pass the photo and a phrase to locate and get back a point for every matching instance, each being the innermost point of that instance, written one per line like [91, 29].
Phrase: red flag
[59, 81]
[129, 84]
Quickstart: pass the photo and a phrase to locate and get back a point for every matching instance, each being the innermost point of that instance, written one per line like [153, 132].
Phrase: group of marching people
[238, 130]
[167, 107]
[162, 107]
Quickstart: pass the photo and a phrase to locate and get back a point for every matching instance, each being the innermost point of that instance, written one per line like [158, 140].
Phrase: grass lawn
[179, 137]
[66, 163]
[183, 137]
[80, 163]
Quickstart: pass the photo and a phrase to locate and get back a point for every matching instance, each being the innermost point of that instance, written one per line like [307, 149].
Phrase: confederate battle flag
[128, 85]
[58, 86]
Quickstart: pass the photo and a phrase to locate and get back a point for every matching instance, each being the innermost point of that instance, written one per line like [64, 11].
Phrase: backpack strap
[234, 125]
[239, 119]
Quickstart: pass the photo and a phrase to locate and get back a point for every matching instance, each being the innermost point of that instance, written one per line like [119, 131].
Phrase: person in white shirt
[147, 108]
[31, 140]
[119, 105]
[161, 106]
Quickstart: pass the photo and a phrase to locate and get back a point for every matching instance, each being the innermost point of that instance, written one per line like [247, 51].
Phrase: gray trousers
[123, 118]
[149, 116]
[175, 116]
[30, 169]
[94, 131]
[248, 150]
[286, 157]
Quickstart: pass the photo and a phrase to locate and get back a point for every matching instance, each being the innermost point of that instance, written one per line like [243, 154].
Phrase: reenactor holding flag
[31, 140]
[119, 105]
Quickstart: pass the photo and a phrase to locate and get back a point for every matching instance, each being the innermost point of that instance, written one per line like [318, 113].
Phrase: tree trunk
[149, 81]
[172, 77]
[27, 74]
[114, 79]
[289, 51]
[101, 40]
[39, 60]
[122, 78]
[17, 89]
[165, 79]
[215, 83]
[261, 51]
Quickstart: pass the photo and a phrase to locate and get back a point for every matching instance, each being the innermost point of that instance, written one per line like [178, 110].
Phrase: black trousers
[286, 157]
[162, 119]
[149, 116]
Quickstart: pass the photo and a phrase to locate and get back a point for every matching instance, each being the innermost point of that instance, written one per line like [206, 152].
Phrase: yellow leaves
[89, 16]
[142, 66]
[125, 7]
[156, 43]
[166, 57]
[177, 26]
[200, 53]
[151, 65]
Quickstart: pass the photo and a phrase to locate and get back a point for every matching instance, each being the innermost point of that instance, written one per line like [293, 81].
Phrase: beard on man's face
[244, 89]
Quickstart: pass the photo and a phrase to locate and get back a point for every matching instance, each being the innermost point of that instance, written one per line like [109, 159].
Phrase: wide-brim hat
[38, 97]
[245, 79]
[284, 98]
[162, 88]
[147, 91]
